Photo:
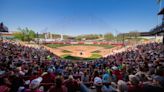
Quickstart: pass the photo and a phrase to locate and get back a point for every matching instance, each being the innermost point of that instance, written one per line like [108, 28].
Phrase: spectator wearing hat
[49, 77]
[34, 85]
[106, 78]
[97, 81]
[155, 86]
[158, 82]
[133, 85]
[116, 73]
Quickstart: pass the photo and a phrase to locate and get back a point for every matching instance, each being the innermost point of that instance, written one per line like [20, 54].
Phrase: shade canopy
[161, 12]
[3, 28]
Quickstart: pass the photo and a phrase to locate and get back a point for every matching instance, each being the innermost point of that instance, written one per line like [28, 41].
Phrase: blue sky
[76, 17]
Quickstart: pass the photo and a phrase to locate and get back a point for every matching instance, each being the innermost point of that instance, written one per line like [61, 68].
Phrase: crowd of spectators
[27, 69]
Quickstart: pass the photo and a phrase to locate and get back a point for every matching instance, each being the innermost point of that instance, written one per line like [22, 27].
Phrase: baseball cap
[35, 83]
[97, 80]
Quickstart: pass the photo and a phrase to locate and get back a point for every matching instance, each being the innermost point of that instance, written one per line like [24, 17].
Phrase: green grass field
[56, 45]
[96, 51]
[93, 57]
[61, 45]
[67, 55]
[66, 51]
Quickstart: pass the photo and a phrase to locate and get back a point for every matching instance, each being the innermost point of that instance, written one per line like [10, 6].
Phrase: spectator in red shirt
[133, 85]
[4, 85]
[58, 87]
[49, 77]
[71, 84]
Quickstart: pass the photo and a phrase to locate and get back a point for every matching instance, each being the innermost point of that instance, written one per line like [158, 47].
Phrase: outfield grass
[61, 45]
[56, 45]
[96, 51]
[66, 51]
[93, 57]
[67, 56]
[95, 54]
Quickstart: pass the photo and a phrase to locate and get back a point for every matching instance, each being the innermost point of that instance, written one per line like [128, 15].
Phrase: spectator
[122, 86]
[71, 84]
[34, 85]
[19, 63]
[58, 87]
[133, 85]
[4, 85]
[97, 81]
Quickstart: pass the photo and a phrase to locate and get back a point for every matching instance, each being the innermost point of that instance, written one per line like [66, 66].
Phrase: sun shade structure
[3, 28]
[161, 12]
[160, 28]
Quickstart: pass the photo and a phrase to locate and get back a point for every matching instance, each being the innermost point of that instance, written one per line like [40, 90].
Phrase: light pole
[37, 35]
[116, 32]
[123, 40]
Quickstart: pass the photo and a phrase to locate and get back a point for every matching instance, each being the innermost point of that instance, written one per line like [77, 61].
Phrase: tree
[87, 37]
[131, 37]
[25, 34]
[109, 36]
[18, 35]
[134, 35]
[120, 37]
